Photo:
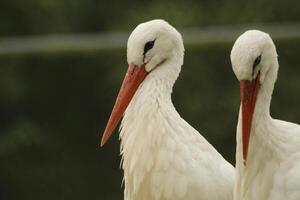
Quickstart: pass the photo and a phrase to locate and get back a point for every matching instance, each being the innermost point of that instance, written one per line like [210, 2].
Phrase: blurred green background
[55, 102]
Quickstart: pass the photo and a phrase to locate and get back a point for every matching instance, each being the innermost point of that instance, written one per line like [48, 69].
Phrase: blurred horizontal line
[116, 40]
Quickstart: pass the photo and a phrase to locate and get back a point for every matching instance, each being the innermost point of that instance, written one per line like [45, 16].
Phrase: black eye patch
[257, 61]
[149, 45]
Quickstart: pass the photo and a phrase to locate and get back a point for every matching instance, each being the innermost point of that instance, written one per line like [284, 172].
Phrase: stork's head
[253, 56]
[150, 45]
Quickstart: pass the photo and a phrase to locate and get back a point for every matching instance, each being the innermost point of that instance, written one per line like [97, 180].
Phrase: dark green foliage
[64, 16]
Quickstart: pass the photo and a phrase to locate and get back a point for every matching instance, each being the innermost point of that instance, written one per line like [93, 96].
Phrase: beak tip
[103, 141]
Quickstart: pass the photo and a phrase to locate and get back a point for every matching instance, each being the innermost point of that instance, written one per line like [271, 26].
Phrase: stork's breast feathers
[164, 158]
[156, 172]
[287, 180]
[175, 167]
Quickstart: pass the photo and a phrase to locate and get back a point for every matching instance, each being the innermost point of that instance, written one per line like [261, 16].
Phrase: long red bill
[133, 78]
[248, 92]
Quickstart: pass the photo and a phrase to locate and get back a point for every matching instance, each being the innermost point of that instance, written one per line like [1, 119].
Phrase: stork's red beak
[133, 78]
[249, 91]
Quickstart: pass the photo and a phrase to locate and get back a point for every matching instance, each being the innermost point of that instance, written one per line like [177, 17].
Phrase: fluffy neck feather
[145, 124]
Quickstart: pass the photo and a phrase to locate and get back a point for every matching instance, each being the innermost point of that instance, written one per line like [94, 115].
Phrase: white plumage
[164, 158]
[272, 168]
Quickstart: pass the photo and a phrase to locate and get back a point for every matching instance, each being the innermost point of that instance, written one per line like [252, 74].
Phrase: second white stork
[268, 150]
[164, 158]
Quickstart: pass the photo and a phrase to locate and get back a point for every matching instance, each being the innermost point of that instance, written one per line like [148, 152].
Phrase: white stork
[268, 150]
[164, 158]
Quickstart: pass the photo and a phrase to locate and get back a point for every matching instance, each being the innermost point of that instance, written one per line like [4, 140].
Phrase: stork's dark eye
[256, 62]
[149, 45]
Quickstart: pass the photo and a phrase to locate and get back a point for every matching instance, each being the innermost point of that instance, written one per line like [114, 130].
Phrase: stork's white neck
[146, 124]
[262, 107]
[261, 117]
[155, 91]
[261, 146]
[152, 98]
